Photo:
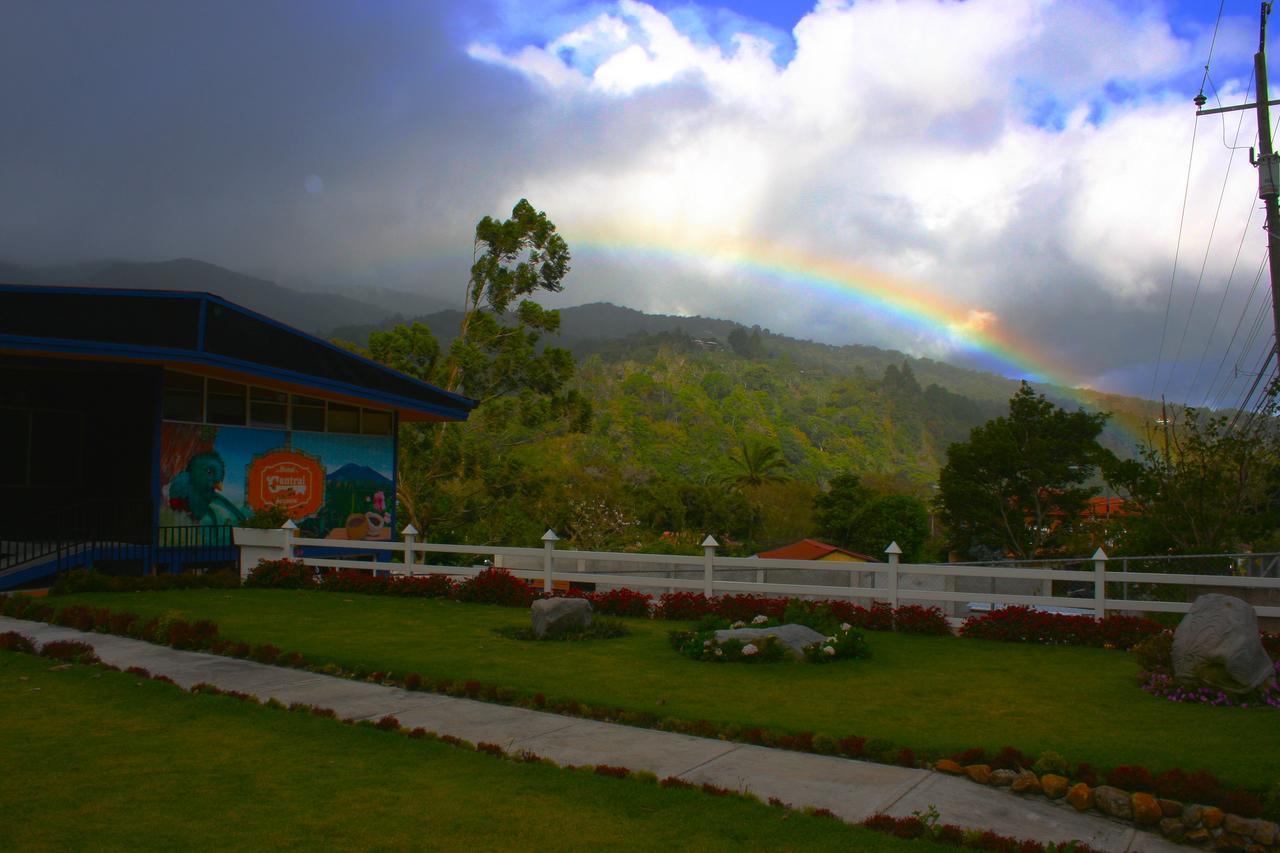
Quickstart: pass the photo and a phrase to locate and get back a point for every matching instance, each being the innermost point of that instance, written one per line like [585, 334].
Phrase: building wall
[77, 447]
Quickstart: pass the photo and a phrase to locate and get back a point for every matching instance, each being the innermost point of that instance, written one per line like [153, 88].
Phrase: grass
[934, 694]
[104, 760]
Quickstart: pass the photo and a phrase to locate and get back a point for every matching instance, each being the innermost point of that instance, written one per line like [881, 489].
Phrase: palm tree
[757, 463]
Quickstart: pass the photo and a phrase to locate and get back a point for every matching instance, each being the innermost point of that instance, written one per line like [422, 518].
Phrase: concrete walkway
[853, 790]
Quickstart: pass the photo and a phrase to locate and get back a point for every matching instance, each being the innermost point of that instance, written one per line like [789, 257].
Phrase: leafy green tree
[835, 511]
[1201, 485]
[891, 518]
[1017, 486]
[851, 515]
[757, 463]
[495, 359]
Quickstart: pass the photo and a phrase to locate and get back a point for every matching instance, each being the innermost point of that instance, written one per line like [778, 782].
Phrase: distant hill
[311, 312]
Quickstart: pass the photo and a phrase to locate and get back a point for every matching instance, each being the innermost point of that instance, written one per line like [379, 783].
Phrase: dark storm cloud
[148, 130]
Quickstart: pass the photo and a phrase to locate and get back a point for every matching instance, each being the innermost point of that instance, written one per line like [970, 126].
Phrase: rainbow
[910, 305]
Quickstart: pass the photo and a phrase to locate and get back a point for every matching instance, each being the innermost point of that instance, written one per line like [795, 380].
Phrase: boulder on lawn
[1216, 645]
[792, 637]
[552, 615]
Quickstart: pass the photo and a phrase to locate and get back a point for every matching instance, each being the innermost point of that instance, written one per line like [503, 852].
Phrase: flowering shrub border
[1024, 625]
[1201, 786]
[919, 826]
[83, 580]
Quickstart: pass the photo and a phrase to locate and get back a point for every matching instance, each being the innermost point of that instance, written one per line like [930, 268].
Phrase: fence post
[709, 546]
[1100, 583]
[549, 540]
[287, 530]
[894, 553]
[409, 533]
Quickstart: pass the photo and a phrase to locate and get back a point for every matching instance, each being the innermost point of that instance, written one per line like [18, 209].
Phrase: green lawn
[103, 760]
[930, 693]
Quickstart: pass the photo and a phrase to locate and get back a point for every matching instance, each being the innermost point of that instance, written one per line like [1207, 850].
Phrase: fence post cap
[893, 548]
[1100, 555]
[550, 536]
[710, 542]
[409, 530]
[289, 525]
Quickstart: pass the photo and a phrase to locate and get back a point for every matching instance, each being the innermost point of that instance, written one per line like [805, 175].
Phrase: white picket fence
[711, 574]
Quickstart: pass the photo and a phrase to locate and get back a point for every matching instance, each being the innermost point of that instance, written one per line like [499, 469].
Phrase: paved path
[852, 789]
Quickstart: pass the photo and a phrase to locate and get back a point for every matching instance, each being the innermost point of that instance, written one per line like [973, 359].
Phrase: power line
[1226, 353]
[1217, 317]
[1204, 263]
[1177, 250]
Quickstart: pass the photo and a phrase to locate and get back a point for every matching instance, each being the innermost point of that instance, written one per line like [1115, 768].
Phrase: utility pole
[1267, 162]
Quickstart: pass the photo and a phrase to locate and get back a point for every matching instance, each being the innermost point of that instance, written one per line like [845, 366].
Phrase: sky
[1016, 185]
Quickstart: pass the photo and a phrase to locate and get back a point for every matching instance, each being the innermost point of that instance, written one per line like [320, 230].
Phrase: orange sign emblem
[287, 478]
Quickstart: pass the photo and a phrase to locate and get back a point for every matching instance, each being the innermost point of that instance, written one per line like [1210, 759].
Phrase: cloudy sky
[948, 178]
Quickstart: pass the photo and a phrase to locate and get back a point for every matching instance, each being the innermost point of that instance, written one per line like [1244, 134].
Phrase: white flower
[749, 649]
[831, 639]
[719, 652]
[738, 624]
[828, 650]
[760, 620]
[845, 626]
[706, 643]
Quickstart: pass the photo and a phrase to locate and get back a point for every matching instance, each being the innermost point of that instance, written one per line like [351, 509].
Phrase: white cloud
[977, 147]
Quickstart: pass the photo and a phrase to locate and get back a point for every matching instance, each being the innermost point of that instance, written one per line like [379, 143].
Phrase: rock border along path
[854, 790]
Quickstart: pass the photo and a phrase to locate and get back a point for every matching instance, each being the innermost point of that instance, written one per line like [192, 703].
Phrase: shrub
[1131, 778]
[1050, 762]
[281, 574]
[842, 644]
[76, 616]
[682, 606]
[12, 641]
[1155, 653]
[69, 650]
[84, 580]
[1241, 803]
[495, 586]
[1024, 625]
[621, 602]
[270, 517]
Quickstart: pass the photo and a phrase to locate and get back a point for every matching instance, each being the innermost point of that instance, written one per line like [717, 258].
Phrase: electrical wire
[1226, 353]
[1177, 251]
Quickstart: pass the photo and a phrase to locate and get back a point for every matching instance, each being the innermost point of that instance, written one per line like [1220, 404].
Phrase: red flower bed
[618, 602]
[281, 574]
[495, 586]
[683, 606]
[1024, 625]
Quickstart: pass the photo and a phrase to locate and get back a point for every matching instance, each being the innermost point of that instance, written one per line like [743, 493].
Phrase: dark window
[375, 423]
[268, 408]
[183, 397]
[308, 414]
[225, 403]
[343, 418]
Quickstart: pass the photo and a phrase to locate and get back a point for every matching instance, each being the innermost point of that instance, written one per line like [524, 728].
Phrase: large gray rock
[1216, 645]
[792, 637]
[559, 614]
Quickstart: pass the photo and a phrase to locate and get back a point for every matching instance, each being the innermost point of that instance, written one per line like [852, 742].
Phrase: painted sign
[288, 478]
[334, 486]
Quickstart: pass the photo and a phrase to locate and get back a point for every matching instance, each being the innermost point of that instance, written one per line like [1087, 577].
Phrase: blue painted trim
[155, 470]
[465, 403]
[184, 356]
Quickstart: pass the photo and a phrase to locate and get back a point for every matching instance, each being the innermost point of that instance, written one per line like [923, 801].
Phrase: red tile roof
[810, 549]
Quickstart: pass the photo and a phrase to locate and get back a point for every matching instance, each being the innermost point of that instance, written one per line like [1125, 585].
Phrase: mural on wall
[333, 486]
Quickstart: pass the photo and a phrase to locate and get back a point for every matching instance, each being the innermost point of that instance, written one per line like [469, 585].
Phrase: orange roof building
[812, 549]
